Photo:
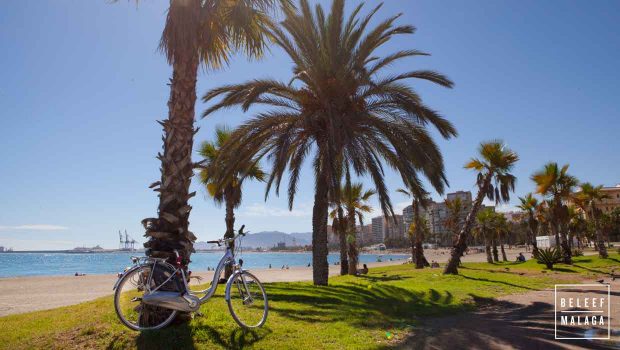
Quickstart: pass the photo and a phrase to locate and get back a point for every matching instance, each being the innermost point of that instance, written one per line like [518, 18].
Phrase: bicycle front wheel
[247, 300]
[130, 308]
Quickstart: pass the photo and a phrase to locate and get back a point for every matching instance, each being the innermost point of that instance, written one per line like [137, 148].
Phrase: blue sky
[83, 83]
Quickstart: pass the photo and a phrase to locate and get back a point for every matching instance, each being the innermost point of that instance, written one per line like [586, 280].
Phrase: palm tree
[556, 184]
[339, 227]
[587, 198]
[340, 110]
[417, 231]
[453, 220]
[355, 201]
[419, 201]
[494, 181]
[484, 230]
[529, 204]
[228, 192]
[196, 32]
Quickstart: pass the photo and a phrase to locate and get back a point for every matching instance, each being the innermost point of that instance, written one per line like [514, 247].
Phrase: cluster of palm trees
[340, 110]
[567, 210]
[492, 228]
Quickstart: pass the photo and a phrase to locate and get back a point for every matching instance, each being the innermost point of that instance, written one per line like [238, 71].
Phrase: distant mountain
[269, 239]
[303, 236]
[200, 245]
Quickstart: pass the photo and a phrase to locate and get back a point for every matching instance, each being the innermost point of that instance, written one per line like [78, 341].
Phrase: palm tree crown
[355, 200]
[554, 182]
[215, 29]
[495, 163]
[529, 203]
[230, 189]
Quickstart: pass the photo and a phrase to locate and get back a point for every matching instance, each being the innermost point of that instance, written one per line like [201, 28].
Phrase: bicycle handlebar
[227, 240]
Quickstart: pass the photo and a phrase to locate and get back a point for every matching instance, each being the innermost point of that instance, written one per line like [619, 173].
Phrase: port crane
[127, 243]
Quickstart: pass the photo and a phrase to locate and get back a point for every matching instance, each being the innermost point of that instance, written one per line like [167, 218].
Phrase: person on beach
[434, 264]
[521, 257]
[269, 265]
[363, 270]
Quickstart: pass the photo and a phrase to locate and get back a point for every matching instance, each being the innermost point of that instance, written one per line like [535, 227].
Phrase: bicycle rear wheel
[247, 300]
[129, 306]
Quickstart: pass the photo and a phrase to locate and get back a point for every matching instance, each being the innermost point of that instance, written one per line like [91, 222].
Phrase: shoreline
[34, 293]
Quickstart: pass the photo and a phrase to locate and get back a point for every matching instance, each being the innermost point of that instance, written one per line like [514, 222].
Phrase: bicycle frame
[227, 259]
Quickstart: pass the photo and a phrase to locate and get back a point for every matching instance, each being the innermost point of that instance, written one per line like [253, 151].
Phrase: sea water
[49, 264]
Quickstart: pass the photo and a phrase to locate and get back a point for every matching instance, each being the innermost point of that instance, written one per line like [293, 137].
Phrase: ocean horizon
[23, 264]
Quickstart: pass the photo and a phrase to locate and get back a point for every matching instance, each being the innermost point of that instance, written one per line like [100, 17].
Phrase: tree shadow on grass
[358, 305]
[563, 269]
[383, 278]
[614, 259]
[498, 282]
[183, 337]
[594, 270]
[178, 337]
[506, 270]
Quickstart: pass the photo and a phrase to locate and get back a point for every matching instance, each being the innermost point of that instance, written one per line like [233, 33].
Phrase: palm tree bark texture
[170, 230]
[320, 267]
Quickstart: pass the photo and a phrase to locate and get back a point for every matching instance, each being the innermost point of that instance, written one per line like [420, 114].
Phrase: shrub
[548, 256]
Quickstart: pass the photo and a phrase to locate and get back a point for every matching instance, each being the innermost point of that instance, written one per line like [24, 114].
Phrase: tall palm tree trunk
[342, 236]
[532, 232]
[320, 267]
[495, 252]
[420, 259]
[566, 250]
[600, 240]
[351, 239]
[501, 245]
[170, 230]
[461, 242]
[230, 227]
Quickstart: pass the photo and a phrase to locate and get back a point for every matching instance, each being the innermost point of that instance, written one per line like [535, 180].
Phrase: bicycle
[149, 295]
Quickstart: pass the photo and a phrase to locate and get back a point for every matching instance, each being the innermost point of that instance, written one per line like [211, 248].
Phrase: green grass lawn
[373, 311]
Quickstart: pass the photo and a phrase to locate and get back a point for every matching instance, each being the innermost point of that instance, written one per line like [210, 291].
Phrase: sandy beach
[24, 294]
